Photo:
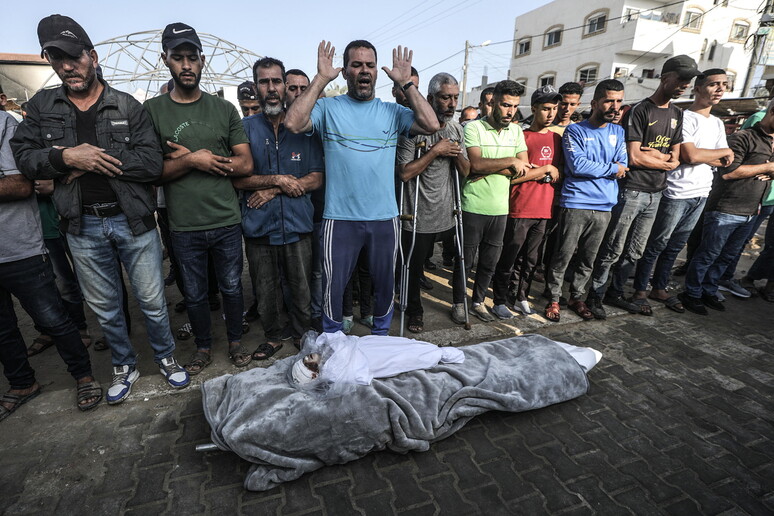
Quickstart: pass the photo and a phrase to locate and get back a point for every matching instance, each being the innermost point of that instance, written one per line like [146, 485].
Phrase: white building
[568, 40]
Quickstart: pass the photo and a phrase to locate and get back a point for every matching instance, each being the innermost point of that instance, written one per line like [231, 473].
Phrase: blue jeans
[625, 241]
[225, 247]
[675, 220]
[103, 245]
[722, 239]
[763, 214]
[31, 281]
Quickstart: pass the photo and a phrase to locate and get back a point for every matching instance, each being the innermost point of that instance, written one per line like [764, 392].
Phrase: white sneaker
[733, 286]
[175, 375]
[123, 379]
[523, 307]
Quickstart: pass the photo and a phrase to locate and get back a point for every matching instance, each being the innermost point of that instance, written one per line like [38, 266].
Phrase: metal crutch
[460, 244]
[405, 260]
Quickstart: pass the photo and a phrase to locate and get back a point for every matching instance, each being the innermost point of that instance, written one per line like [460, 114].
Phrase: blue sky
[290, 31]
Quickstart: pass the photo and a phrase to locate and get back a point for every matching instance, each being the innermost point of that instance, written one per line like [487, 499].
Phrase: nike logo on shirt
[652, 123]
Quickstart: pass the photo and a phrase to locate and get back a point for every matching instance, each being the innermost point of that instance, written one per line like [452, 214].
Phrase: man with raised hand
[205, 147]
[432, 171]
[100, 148]
[277, 209]
[654, 132]
[594, 159]
[704, 147]
[359, 134]
[497, 154]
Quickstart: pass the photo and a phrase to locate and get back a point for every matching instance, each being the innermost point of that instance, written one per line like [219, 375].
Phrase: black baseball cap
[685, 67]
[176, 34]
[63, 33]
[545, 94]
[247, 91]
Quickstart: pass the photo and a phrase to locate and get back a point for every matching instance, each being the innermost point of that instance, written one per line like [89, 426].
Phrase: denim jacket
[283, 220]
[123, 130]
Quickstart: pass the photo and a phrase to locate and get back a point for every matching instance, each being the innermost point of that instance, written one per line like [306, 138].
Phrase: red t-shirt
[533, 199]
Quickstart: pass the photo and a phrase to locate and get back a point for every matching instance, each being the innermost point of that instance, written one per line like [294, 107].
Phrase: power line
[449, 12]
[380, 29]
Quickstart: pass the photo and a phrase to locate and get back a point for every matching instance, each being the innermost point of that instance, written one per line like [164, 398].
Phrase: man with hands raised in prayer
[359, 134]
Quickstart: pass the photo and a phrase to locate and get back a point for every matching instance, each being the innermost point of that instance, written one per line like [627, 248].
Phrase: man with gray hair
[432, 173]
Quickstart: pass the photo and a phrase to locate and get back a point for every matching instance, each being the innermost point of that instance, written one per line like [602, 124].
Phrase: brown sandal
[416, 324]
[239, 355]
[41, 343]
[552, 312]
[580, 308]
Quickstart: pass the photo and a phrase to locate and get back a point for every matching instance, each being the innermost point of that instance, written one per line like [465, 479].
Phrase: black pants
[422, 246]
[521, 248]
[482, 234]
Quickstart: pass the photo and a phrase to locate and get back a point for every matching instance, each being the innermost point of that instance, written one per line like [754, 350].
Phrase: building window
[731, 80]
[711, 54]
[523, 47]
[722, 3]
[553, 37]
[621, 72]
[630, 15]
[648, 73]
[522, 81]
[596, 23]
[739, 31]
[587, 74]
[547, 79]
[692, 20]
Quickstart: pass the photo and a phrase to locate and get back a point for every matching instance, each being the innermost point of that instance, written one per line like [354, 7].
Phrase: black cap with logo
[684, 66]
[176, 34]
[247, 91]
[63, 33]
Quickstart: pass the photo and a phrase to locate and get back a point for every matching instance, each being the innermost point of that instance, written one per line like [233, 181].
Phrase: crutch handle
[407, 216]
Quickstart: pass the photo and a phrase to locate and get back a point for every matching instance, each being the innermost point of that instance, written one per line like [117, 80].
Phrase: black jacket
[123, 130]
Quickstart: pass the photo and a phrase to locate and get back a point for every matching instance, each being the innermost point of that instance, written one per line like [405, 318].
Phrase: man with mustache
[296, 82]
[704, 147]
[594, 159]
[432, 171]
[654, 132]
[277, 216]
[497, 154]
[248, 99]
[359, 135]
[206, 147]
[100, 148]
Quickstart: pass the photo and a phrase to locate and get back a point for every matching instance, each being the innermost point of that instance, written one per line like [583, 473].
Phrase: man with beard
[277, 217]
[704, 147]
[205, 147]
[248, 99]
[654, 132]
[531, 202]
[594, 158]
[571, 94]
[296, 82]
[99, 147]
[497, 154]
[360, 134]
[432, 171]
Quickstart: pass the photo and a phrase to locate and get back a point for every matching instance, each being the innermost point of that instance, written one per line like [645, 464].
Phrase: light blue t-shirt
[359, 140]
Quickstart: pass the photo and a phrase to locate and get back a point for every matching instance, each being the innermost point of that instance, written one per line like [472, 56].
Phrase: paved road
[678, 420]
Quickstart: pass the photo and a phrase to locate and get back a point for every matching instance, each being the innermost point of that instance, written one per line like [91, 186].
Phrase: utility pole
[760, 44]
[465, 77]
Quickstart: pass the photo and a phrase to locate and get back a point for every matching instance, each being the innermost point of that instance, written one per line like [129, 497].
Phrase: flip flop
[40, 344]
[642, 303]
[240, 356]
[267, 350]
[672, 303]
[17, 399]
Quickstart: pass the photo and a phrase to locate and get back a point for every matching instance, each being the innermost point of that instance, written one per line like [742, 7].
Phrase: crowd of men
[307, 187]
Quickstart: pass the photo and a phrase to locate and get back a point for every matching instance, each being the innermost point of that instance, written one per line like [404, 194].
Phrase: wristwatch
[406, 86]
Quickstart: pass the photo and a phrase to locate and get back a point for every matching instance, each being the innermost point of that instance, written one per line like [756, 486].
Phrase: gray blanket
[286, 432]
